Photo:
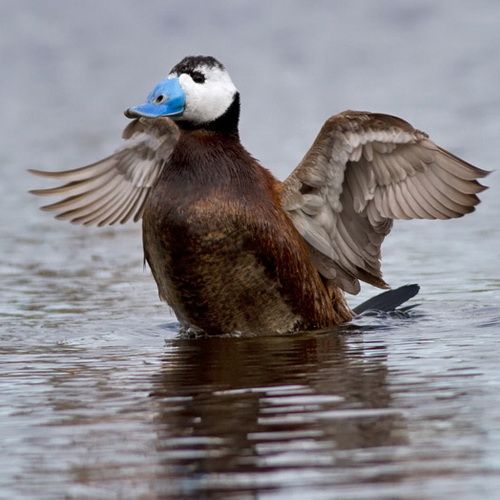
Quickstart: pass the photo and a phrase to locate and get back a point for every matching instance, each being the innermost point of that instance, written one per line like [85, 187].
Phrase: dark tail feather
[388, 301]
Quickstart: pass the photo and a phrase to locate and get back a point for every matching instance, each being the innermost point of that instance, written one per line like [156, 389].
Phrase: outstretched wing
[115, 188]
[363, 171]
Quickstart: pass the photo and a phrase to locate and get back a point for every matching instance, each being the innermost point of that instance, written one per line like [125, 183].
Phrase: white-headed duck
[231, 248]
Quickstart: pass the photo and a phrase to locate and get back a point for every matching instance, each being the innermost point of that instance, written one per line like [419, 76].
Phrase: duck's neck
[227, 124]
[204, 160]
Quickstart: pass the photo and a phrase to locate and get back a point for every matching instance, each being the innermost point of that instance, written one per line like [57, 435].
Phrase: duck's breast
[224, 255]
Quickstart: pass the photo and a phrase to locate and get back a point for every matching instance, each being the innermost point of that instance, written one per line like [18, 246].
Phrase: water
[100, 398]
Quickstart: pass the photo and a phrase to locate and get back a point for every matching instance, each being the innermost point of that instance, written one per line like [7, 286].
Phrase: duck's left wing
[114, 189]
[363, 171]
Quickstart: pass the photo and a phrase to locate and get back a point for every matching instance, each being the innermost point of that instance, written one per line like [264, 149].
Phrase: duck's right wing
[114, 189]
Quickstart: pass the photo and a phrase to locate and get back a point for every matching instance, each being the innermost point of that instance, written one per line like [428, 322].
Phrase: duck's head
[197, 93]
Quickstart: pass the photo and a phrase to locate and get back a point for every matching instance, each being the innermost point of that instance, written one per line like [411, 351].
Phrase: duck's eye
[159, 99]
[198, 77]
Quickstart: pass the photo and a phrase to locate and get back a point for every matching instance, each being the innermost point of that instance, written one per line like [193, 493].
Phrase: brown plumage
[231, 248]
[224, 254]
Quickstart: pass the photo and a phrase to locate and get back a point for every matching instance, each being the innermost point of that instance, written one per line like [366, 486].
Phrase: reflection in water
[360, 415]
[234, 412]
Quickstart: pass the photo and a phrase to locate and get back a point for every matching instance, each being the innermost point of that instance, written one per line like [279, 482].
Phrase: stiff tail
[388, 301]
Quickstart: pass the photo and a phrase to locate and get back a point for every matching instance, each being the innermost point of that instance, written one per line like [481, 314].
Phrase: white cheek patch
[205, 102]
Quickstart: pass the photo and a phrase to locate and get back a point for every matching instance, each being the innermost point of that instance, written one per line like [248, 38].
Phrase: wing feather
[363, 171]
[114, 189]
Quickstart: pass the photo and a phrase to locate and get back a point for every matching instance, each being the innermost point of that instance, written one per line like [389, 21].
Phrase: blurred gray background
[69, 69]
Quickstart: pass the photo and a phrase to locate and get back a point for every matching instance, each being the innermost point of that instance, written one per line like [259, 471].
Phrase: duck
[232, 249]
